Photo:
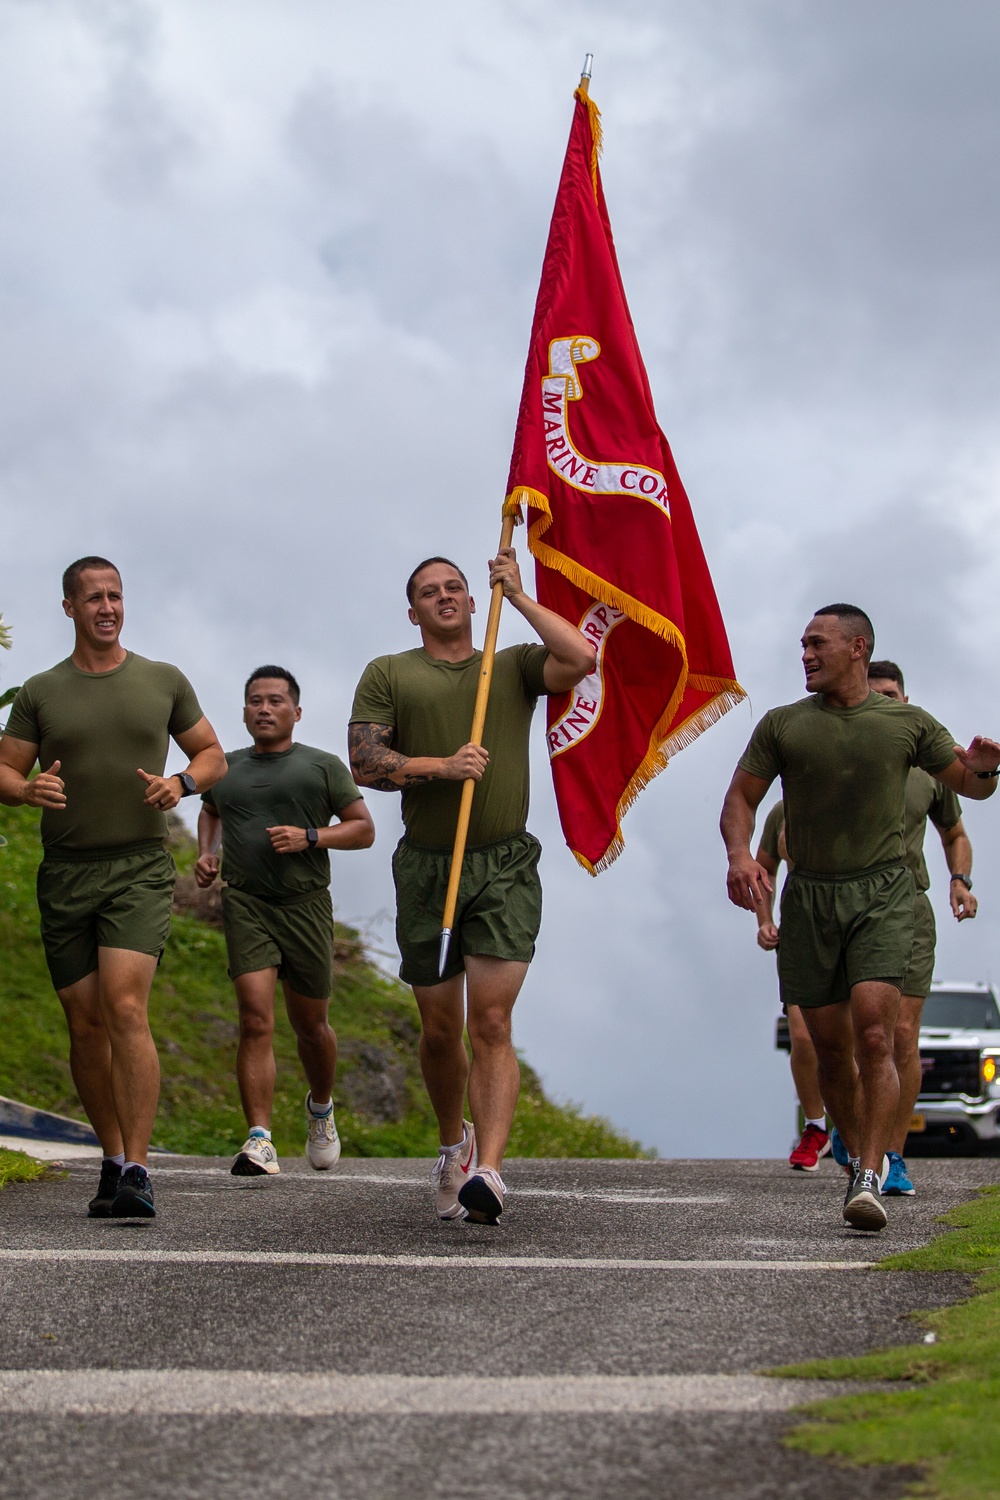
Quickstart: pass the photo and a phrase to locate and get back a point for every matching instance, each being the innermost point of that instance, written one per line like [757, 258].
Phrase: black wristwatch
[987, 775]
[965, 879]
[188, 786]
[312, 838]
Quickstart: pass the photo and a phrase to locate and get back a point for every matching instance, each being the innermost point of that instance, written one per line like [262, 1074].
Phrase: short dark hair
[270, 670]
[411, 581]
[71, 577]
[854, 621]
[886, 671]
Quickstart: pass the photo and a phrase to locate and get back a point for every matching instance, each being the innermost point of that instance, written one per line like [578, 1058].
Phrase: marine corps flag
[610, 527]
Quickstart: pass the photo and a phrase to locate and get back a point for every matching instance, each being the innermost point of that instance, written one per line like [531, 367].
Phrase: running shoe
[815, 1143]
[451, 1171]
[322, 1140]
[134, 1197]
[838, 1150]
[100, 1206]
[257, 1157]
[483, 1196]
[863, 1205]
[898, 1184]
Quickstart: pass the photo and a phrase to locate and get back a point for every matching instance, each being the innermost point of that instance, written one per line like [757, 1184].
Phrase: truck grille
[950, 1072]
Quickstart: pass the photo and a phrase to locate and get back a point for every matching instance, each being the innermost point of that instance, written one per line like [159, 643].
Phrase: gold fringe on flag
[596, 132]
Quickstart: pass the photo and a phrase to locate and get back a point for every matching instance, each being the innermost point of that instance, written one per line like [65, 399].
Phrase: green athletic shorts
[499, 907]
[837, 931]
[107, 898]
[917, 979]
[296, 938]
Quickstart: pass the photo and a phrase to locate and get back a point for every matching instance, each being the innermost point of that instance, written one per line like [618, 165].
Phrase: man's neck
[272, 747]
[457, 648]
[98, 659]
[850, 694]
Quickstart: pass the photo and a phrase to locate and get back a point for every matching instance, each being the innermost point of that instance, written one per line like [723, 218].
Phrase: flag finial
[585, 76]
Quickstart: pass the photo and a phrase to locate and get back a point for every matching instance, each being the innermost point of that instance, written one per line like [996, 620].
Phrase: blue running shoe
[838, 1150]
[898, 1184]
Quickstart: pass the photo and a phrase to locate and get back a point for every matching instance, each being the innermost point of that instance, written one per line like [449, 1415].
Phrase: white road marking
[266, 1395]
[417, 1262]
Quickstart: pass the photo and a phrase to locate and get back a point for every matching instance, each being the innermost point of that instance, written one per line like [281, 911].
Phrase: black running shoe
[100, 1206]
[134, 1198]
[863, 1205]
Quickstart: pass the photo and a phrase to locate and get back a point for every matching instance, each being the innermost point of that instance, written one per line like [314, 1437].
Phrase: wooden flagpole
[482, 701]
[475, 738]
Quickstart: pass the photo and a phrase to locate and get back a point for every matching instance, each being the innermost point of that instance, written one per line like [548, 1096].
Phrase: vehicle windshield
[956, 1011]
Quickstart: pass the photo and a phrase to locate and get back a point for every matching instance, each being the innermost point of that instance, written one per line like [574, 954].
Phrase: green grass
[193, 1017]
[16, 1167]
[945, 1414]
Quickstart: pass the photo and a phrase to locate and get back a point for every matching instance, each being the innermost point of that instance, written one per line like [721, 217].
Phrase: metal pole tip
[588, 65]
[443, 952]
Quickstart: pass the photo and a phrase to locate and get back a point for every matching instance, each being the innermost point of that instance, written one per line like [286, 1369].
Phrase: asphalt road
[325, 1334]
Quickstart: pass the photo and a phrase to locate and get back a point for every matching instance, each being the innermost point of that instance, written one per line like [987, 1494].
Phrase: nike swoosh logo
[467, 1163]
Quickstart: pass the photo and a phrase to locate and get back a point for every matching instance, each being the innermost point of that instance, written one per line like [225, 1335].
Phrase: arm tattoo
[375, 763]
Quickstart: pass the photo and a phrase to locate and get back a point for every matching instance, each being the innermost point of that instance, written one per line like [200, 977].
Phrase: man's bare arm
[374, 763]
[747, 881]
[571, 656]
[207, 766]
[47, 789]
[958, 853]
[209, 839]
[963, 774]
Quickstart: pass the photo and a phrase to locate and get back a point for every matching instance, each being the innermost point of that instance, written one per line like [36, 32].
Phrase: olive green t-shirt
[843, 775]
[771, 832]
[299, 788]
[102, 726]
[926, 798]
[429, 704]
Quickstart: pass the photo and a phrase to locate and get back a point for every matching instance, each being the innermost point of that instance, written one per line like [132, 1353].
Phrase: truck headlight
[988, 1066]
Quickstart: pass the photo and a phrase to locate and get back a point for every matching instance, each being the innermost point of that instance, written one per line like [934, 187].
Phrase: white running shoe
[322, 1140]
[257, 1158]
[483, 1196]
[451, 1171]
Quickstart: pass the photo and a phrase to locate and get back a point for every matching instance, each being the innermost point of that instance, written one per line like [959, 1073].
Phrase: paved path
[326, 1335]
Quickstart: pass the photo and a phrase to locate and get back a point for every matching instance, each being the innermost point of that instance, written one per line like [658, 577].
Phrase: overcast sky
[266, 281]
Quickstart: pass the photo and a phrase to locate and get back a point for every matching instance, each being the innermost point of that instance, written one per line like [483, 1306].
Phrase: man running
[99, 725]
[814, 1142]
[410, 721]
[925, 798]
[272, 813]
[843, 755]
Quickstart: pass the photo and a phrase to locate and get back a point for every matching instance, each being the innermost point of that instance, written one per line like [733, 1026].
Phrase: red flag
[611, 529]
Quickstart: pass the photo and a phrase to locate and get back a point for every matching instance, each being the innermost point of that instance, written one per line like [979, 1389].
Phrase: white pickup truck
[959, 1099]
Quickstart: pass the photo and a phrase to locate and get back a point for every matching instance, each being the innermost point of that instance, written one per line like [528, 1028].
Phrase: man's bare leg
[873, 1009]
[255, 1069]
[316, 1042]
[805, 1073]
[495, 1078]
[90, 1059]
[832, 1034]
[124, 980]
[443, 1058]
[906, 1050]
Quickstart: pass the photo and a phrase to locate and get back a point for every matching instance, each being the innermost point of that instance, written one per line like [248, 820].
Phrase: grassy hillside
[382, 1109]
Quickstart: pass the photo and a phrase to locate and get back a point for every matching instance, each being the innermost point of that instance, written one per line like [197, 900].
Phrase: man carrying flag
[409, 731]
